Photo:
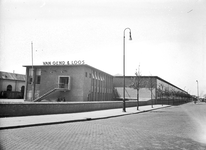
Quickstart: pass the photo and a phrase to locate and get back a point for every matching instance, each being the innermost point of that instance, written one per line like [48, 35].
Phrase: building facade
[67, 83]
[12, 85]
[86, 83]
[150, 87]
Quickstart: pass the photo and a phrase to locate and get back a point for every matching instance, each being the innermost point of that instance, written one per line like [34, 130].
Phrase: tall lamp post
[130, 38]
[197, 90]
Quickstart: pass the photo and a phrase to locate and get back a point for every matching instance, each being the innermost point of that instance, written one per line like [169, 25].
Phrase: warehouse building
[150, 87]
[64, 82]
[67, 83]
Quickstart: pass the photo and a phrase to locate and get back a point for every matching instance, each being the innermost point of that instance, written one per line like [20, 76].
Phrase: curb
[78, 120]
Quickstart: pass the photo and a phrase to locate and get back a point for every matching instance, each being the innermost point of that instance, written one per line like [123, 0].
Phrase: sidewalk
[26, 121]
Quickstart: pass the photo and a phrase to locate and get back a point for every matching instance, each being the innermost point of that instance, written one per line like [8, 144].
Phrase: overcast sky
[169, 36]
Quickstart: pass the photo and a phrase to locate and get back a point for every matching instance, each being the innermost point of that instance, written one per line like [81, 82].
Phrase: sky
[168, 37]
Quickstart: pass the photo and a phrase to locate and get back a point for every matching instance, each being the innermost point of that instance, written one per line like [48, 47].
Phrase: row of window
[101, 89]
[95, 75]
[95, 96]
[162, 86]
[9, 88]
[38, 76]
[38, 80]
[100, 82]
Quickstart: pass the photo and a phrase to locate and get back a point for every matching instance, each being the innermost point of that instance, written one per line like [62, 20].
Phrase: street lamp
[197, 90]
[130, 38]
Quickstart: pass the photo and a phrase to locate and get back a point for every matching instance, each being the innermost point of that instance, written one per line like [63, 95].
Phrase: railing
[63, 86]
[44, 95]
[60, 87]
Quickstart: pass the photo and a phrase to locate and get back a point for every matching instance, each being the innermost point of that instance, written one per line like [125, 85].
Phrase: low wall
[171, 101]
[44, 108]
[11, 94]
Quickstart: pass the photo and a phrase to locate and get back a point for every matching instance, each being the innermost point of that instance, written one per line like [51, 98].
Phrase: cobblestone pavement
[178, 127]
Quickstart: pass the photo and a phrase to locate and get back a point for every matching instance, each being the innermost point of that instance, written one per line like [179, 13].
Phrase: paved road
[178, 127]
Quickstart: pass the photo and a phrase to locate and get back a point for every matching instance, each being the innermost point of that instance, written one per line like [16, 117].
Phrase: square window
[64, 82]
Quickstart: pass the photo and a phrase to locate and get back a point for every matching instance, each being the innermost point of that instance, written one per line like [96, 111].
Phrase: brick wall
[43, 108]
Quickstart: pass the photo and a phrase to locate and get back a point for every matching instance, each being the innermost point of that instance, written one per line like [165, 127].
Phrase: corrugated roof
[12, 76]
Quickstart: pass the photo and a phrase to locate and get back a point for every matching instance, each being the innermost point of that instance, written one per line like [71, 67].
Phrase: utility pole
[197, 90]
[32, 72]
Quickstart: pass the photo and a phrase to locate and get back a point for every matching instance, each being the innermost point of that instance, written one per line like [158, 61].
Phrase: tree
[136, 82]
[161, 92]
[204, 95]
[151, 85]
[167, 94]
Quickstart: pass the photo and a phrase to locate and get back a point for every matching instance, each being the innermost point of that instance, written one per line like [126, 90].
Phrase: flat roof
[152, 77]
[82, 65]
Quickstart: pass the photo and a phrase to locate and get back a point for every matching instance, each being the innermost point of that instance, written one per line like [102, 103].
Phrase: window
[30, 78]
[38, 76]
[64, 82]
[22, 89]
[85, 74]
[9, 88]
[38, 79]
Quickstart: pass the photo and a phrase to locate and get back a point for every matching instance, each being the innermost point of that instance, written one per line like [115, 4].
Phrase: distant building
[150, 87]
[68, 83]
[12, 85]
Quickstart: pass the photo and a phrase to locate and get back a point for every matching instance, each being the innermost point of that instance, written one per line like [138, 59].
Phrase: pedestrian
[195, 101]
